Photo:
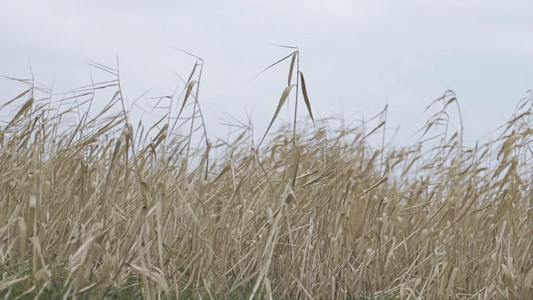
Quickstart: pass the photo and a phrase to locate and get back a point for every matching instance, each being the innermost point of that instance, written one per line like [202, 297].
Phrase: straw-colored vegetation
[93, 207]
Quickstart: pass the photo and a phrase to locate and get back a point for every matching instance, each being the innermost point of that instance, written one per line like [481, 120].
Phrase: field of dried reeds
[94, 207]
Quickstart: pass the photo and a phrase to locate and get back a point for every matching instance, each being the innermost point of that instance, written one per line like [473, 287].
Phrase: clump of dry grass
[94, 207]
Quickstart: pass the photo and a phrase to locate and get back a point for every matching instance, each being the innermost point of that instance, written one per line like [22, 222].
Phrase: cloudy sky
[357, 56]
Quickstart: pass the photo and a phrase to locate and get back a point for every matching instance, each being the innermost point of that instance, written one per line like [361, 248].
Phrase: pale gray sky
[356, 55]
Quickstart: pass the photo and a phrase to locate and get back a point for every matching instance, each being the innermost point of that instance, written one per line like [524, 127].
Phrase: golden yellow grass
[94, 207]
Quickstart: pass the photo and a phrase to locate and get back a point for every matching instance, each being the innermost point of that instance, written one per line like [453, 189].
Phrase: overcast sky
[357, 56]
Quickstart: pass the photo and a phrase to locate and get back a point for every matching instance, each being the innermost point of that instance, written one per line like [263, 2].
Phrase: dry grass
[93, 207]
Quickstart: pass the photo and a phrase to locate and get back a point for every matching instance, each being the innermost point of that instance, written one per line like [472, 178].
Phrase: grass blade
[280, 105]
[306, 98]
[292, 67]
[189, 91]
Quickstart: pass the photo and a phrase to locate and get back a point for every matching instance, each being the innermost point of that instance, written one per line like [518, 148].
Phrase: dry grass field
[92, 206]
